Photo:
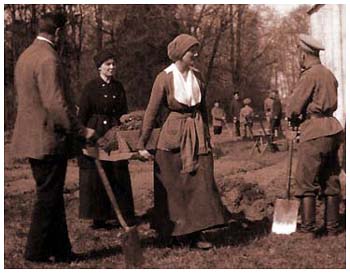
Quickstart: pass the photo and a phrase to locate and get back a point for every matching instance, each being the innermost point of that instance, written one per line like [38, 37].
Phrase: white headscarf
[185, 91]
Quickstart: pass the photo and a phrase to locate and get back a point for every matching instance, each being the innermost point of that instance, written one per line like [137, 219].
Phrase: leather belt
[317, 115]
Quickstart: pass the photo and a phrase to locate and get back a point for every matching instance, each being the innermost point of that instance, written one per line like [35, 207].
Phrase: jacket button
[105, 122]
[114, 97]
[106, 96]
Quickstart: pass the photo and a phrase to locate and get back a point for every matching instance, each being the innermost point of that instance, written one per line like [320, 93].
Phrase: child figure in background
[246, 118]
[219, 118]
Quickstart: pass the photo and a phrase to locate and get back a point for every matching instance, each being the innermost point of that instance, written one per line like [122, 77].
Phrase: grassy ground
[246, 242]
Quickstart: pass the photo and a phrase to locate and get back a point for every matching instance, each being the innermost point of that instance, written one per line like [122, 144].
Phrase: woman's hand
[145, 155]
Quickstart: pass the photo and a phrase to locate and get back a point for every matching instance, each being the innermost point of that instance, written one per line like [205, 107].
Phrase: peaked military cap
[310, 44]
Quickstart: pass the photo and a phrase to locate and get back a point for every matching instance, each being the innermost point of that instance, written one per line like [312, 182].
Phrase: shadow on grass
[97, 254]
[238, 231]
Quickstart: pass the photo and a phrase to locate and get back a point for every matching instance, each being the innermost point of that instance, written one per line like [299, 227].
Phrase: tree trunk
[220, 31]
[99, 27]
[237, 75]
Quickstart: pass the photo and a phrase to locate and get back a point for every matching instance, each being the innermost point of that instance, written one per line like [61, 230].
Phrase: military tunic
[101, 105]
[315, 98]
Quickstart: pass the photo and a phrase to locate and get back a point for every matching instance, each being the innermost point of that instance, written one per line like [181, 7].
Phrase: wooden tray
[127, 150]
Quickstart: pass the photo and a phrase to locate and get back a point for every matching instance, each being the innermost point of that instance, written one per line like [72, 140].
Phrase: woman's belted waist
[184, 115]
[185, 130]
[191, 112]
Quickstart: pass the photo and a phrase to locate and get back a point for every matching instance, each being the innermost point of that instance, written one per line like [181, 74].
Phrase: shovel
[270, 144]
[131, 245]
[286, 210]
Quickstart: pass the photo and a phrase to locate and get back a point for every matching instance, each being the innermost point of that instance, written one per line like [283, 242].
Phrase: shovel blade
[132, 250]
[285, 216]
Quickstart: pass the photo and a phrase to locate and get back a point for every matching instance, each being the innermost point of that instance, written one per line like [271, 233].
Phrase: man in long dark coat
[236, 106]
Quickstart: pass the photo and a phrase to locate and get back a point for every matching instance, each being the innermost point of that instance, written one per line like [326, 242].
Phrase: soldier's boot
[308, 215]
[332, 215]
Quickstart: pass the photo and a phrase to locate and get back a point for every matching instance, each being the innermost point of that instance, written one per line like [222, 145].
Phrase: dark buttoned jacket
[236, 106]
[102, 104]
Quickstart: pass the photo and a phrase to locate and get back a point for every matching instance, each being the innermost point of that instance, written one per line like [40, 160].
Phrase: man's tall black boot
[308, 215]
[332, 215]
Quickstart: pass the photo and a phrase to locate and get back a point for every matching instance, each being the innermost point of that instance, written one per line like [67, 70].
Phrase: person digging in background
[102, 103]
[317, 173]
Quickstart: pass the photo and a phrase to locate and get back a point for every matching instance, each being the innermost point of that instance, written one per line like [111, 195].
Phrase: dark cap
[310, 44]
[102, 56]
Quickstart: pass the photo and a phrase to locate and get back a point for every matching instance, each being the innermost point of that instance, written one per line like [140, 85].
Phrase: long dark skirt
[94, 202]
[184, 203]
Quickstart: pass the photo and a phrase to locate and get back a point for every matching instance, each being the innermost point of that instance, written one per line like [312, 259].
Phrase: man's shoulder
[319, 72]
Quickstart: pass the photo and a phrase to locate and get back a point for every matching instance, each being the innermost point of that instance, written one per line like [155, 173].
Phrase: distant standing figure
[219, 118]
[236, 107]
[102, 103]
[246, 118]
[317, 173]
[45, 123]
[276, 115]
[268, 105]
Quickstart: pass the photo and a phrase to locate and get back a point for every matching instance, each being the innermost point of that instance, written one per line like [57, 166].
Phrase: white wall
[328, 26]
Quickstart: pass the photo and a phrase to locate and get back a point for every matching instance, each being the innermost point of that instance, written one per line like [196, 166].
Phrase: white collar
[170, 68]
[186, 92]
[45, 39]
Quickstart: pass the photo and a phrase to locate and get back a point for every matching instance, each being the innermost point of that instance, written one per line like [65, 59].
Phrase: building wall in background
[328, 25]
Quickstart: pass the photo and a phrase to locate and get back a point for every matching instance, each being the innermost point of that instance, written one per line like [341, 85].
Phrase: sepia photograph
[174, 136]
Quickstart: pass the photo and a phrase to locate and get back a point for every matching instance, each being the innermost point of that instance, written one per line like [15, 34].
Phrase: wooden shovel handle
[110, 194]
[290, 161]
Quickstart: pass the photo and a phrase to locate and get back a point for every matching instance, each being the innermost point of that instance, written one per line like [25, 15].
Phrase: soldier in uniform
[236, 107]
[312, 105]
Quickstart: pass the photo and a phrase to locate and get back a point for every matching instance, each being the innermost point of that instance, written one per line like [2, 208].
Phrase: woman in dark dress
[186, 199]
[102, 103]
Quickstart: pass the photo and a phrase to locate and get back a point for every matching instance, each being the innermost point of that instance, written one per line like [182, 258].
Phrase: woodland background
[243, 47]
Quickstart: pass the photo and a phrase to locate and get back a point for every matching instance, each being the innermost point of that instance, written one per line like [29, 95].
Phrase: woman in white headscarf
[186, 199]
